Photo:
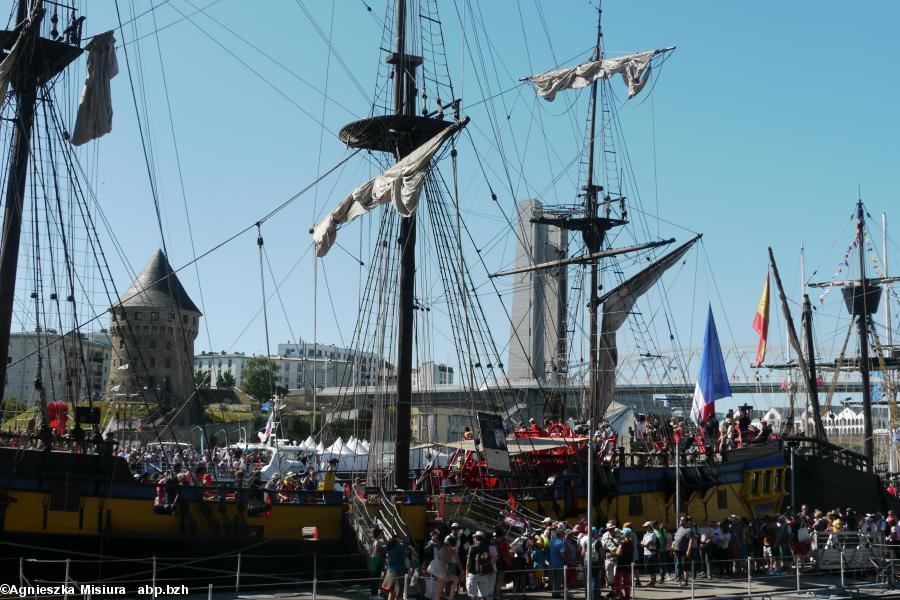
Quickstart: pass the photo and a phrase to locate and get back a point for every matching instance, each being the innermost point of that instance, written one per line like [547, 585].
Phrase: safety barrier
[747, 577]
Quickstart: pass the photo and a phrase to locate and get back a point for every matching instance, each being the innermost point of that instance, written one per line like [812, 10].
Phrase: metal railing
[746, 577]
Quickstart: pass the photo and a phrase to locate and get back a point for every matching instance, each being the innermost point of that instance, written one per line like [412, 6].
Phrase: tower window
[137, 316]
[154, 316]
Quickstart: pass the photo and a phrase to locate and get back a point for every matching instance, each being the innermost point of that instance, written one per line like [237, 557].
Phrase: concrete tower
[152, 329]
[537, 344]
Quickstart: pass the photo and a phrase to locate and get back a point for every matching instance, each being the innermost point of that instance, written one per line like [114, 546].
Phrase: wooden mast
[863, 324]
[593, 238]
[404, 104]
[38, 60]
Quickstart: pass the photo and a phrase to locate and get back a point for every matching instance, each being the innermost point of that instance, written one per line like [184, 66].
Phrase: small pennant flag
[712, 383]
[761, 323]
[265, 433]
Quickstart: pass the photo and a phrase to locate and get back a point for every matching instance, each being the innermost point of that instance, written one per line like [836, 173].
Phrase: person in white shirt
[722, 542]
[707, 550]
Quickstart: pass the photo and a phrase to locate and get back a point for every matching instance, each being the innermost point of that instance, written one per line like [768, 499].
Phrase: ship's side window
[754, 484]
[635, 505]
[722, 499]
[777, 486]
[767, 482]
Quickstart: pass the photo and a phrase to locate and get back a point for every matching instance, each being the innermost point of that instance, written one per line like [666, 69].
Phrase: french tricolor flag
[265, 433]
[712, 383]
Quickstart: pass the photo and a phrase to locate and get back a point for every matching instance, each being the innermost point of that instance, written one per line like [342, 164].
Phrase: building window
[635, 505]
[121, 343]
[195, 321]
[168, 345]
[722, 499]
[154, 316]
[170, 317]
[137, 316]
[152, 362]
[153, 344]
[168, 363]
[184, 319]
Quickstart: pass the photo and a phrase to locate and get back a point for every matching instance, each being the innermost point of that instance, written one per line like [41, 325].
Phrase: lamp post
[202, 437]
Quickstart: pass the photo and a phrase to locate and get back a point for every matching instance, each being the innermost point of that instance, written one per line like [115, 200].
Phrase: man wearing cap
[556, 557]
[479, 568]
[682, 548]
[650, 551]
[610, 542]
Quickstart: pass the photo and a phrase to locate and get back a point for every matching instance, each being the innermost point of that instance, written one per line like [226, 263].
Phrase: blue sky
[760, 128]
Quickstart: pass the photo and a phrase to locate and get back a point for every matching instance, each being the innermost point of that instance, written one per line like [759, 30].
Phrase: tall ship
[527, 451]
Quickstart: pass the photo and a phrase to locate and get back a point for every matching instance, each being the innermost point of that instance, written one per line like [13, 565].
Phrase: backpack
[483, 565]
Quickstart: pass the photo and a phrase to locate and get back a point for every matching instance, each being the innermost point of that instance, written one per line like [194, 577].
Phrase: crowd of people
[554, 556]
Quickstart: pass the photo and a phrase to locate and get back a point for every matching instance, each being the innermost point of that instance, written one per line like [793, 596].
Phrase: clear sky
[759, 131]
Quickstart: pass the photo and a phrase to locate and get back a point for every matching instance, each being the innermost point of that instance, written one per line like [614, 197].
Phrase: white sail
[95, 112]
[401, 185]
[635, 70]
[617, 305]
[6, 68]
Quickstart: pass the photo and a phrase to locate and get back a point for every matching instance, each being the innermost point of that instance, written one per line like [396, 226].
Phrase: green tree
[201, 379]
[12, 405]
[225, 380]
[258, 379]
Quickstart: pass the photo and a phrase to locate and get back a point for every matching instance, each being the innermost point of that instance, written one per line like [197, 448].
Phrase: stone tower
[537, 342]
[152, 329]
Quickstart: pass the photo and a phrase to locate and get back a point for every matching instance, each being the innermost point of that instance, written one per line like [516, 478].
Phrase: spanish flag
[761, 323]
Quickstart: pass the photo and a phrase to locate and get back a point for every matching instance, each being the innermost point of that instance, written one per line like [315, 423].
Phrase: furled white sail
[635, 70]
[617, 305]
[6, 69]
[401, 185]
[95, 111]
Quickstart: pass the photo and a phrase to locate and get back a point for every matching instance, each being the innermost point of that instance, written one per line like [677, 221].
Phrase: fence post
[154, 577]
[749, 576]
[633, 585]
[315, 576]
[565, 584]
[209, 593]
[66, 582]
[842, 567]
[237, 577]
[797, 569]
[692, 580]
[21, 571]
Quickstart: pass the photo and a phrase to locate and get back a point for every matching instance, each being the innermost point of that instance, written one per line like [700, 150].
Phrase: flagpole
[677, 484]
[888, 389]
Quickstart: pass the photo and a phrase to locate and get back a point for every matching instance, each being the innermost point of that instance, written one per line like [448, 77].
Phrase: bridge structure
[659, 382]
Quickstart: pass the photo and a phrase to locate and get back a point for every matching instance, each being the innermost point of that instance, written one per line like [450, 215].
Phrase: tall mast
[404, 104]
[868, 441]
[889, 339]
[593, 238]
[887, 285]
[812, 381]
[38, 61]
[593, 243]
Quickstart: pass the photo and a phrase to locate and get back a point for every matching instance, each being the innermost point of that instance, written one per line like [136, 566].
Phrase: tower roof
[152, 289]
